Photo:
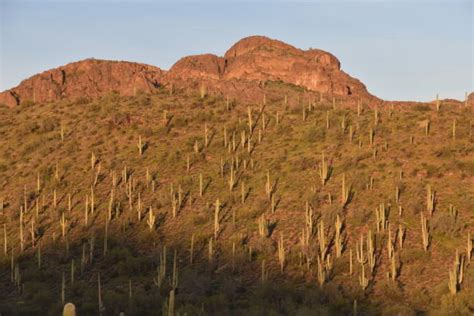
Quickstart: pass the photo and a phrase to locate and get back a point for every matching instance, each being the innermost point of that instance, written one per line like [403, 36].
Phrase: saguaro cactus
[140, 145]
[268, 186]
[202, 91]
[328, 122]
[151, 219]
[363, 281]
[469, 247]
[454, 129]
[430, 199]
[281, 253]
[338, 239]
[425, 234]
[216, 218]
[323, 245]
[381, 217]
[324, 171]
[321, 273]
[456, 274]
[371, 136]
[249, 114]
[346, 191]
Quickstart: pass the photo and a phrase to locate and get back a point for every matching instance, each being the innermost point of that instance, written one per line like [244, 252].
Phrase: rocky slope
[254, 59]
[88, 78]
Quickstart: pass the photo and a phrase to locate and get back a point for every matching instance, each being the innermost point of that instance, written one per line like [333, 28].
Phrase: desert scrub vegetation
[186, 202]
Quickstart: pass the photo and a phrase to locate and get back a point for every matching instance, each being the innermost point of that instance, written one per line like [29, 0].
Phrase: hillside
[183, 200]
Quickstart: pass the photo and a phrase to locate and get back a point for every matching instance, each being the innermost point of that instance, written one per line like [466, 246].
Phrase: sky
[400, 49]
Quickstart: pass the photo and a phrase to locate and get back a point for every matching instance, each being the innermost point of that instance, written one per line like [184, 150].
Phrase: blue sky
[402, 50]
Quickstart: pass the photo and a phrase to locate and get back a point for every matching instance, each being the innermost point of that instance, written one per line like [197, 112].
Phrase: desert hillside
[264, 182]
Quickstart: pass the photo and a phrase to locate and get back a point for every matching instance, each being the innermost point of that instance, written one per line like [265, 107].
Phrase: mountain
[232, 189]
[255, 59]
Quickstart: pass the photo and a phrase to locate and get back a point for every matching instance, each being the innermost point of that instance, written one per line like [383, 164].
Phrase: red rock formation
[205, 66]
[259, 58]
[252, 59]
[88, 78]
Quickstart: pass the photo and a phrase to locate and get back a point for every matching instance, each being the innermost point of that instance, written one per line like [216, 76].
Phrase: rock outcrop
[254, 59]
[259, 58]
[88, 78]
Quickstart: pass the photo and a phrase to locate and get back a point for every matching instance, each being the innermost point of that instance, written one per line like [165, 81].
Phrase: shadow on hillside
[226, 285]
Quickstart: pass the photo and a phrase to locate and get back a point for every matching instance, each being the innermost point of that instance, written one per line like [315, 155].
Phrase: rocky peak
[87, 78]
[255, 44]
[206, 66]
[258, 58]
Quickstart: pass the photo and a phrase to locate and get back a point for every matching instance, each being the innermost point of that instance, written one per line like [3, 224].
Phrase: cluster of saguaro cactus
[366, 256]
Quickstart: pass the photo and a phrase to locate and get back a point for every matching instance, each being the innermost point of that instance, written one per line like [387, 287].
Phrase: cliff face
[88, 78]
[259, 58]
[252, 59]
